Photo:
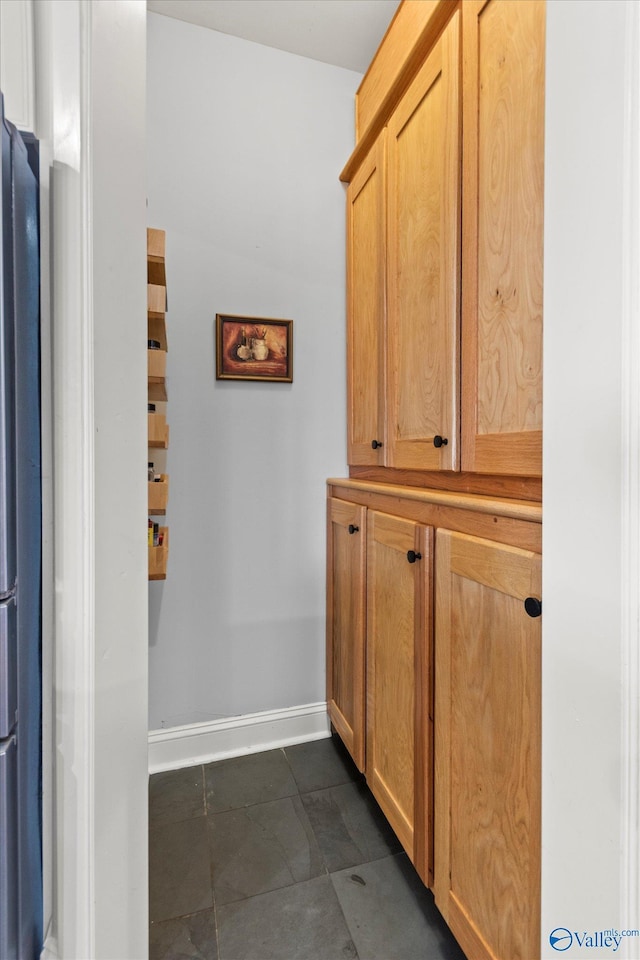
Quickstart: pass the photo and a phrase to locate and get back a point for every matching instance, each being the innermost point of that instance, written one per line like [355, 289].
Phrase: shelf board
[157, 329]
[157, 389]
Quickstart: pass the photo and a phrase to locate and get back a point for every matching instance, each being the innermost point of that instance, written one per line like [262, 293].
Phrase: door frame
[95, 654]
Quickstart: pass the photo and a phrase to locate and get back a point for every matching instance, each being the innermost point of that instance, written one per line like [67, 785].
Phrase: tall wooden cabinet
[441, 707]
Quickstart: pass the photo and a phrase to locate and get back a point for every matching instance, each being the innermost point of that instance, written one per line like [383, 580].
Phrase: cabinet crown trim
[397, 61]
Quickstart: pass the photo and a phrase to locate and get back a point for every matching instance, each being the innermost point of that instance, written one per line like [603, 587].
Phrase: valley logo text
[562, 939]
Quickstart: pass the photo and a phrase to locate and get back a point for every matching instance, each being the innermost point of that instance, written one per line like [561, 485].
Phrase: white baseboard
[197, 743]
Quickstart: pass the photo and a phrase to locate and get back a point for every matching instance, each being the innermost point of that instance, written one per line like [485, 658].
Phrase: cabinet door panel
[398, 680]
[422, 263]
[366, 311]
[487, 773]
[503, 180]
[346, 623]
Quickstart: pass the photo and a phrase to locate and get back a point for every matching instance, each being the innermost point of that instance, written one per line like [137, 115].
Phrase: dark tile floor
[283, 855]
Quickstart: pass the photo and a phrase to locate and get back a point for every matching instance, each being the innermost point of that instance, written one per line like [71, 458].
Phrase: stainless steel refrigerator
[20, 552]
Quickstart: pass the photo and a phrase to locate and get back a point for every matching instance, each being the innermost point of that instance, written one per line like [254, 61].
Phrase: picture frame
[254, 348]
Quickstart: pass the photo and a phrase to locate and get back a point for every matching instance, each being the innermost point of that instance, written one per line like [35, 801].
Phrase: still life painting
[254, 348]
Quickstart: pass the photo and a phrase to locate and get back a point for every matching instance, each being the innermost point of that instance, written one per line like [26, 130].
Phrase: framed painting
[254, 348]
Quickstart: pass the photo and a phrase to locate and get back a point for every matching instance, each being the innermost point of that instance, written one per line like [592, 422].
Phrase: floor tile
[176, 795]
[302, 922]
[261, 848]
[391, 915]
[349, 826]
[256, 778]
[320, 764]
[179, 872]
[187, 938]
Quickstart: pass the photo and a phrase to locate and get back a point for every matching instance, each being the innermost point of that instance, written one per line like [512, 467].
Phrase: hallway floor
[283, 855]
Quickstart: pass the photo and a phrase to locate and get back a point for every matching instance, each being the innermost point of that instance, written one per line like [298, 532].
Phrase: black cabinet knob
[533, 606]
[375, 444]
[353, 529]
[439, 441]
[412, 556]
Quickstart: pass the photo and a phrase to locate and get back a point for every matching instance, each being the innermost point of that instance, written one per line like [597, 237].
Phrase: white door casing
[90, 119]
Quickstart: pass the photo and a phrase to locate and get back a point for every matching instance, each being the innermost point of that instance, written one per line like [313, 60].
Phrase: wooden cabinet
[488, 730]
[422, 265]
[445, 233]
[346, 544]
[399, 733]
[366, 232]
[403, 348]
[459, 227]
[451, 695]
[503, 181]
[378, 605]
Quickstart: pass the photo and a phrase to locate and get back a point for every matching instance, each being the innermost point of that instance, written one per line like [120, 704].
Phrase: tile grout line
[214, 906]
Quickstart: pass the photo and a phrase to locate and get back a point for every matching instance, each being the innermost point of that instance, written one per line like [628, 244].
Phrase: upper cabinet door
[366, 311]
[502, 190]
[423, 265]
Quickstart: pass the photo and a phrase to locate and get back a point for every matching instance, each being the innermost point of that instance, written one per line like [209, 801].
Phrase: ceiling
[345, 33]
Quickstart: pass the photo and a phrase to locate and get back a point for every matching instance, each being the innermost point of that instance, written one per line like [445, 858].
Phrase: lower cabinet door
[399, 740]
[487, 746]
[346, 546]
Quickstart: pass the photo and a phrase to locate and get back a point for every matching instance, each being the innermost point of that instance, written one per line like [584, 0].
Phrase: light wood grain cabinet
[346, 612]
[403, 255]
[435, 683]
[399, 731]
[423, 265]
[379, 614]
[445, 257]
[503, 182]
[487, 748]
[366, 314]
[445, 294]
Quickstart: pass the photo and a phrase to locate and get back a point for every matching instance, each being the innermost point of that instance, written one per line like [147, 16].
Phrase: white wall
[591, 477]
[16, 62]
[245, 147]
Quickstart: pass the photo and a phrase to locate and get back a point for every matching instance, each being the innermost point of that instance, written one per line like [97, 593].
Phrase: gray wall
[245, 144]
